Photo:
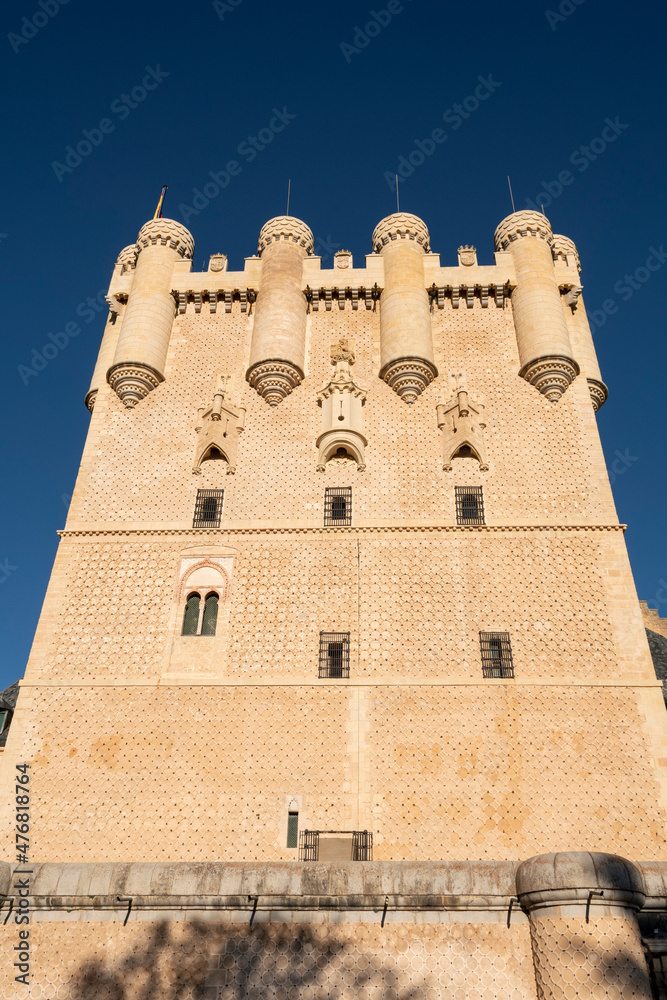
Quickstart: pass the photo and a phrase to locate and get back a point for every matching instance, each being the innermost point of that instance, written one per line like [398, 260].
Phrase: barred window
[208, 509]
[335, 845]
[469, 505]
[496, 654]
[292, 829]
[334, 654]
[191, 616]
[337, 506]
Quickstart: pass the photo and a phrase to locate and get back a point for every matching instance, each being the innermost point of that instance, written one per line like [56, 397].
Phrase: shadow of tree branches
[201, 960]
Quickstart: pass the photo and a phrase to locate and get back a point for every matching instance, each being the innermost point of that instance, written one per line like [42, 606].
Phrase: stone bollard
[584, 932]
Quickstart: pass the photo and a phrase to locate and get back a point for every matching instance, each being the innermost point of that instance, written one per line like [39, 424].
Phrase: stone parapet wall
[405, 931]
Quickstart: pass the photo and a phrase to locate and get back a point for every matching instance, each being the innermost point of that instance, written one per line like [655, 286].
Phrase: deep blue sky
[356, 113]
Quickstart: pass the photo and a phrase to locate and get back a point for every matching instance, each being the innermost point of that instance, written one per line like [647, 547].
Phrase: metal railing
[361, 849]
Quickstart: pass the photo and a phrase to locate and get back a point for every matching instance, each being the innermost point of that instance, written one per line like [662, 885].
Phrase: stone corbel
[571, 294]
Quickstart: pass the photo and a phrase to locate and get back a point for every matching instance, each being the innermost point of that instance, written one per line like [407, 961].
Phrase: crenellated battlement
[534, 272]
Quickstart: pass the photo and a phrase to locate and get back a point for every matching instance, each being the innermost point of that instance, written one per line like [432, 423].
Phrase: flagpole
[158, 210]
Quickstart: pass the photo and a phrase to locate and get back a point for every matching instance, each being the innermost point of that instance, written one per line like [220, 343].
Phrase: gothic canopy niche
[341, 400]
[462, 424]
[219, 428]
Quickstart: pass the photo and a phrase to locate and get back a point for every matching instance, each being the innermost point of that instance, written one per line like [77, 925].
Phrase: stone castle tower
[341, 655]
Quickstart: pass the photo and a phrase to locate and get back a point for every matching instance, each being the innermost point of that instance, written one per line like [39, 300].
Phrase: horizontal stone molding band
[222, 533]
[213, 680]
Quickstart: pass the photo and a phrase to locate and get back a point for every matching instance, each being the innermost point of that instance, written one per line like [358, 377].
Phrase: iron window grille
[208, 509]
[496, 654]
[334, 654]
[337, 506]
[362, 844]
[469, 505]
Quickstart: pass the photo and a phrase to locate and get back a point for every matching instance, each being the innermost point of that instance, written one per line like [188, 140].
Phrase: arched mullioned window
[210, 614]
[191, 616]
[198, 620]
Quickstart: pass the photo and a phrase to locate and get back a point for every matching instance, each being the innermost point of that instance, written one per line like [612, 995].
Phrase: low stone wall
[354, 931]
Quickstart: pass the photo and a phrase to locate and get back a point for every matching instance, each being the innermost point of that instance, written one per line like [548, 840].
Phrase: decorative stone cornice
[274, 379]
[132, 381]
[468, 293]
[168, 232]
[90, 399]
[285, 227]
[199, 296]
[599, 393]
[561, 247]
[224, 533]
[526, 223]
[367, 294]
[401, 226]
[408, 376]
[550, 374]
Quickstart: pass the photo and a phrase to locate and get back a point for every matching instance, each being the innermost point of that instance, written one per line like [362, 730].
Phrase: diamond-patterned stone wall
[209, 961]
[601, 960]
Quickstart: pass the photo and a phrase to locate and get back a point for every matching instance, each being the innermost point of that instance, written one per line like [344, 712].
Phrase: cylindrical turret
[144, 338]
[585, 936]
[406, 342]
[545, 351]
[578, 326]
[125, 262]
[278, 350]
